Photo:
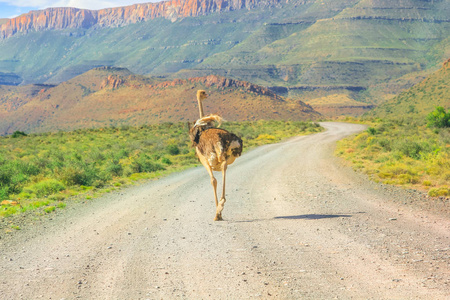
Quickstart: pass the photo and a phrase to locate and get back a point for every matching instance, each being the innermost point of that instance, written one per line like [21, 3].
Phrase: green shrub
[145, 164]
[79, 175]
[49, 209]
[166, 161]
[371, 130]
[436, 192]
[17, 134]
[173, 149]
[14, 173]
[439, 118]
[114, 168]
[426, 183]
[10, 210]
[61, 205]
[45, 187]
[409, 148]
[4, 192]
[385, 143]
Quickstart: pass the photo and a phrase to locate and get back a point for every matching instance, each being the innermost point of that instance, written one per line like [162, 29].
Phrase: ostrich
[215, 148]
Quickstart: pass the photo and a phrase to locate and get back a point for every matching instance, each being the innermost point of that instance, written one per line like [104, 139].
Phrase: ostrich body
[216, 149]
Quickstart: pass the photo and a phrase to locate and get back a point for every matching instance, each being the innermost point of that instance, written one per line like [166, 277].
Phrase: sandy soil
[298, 225]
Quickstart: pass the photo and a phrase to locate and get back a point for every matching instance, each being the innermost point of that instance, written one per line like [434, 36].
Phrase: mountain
[313, 50]
[421, 99]
[114, 96]
[68, 17]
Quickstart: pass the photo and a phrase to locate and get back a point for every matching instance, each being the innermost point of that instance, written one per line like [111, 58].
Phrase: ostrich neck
[200, 107]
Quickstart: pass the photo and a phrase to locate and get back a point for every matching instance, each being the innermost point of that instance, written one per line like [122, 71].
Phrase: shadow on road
[313, 217]
[302, 217]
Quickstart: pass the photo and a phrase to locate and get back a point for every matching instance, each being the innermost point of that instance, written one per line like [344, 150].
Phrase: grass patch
[50, 209]
[45, 187]
[436, 192]
[61, 205]
[8, 210]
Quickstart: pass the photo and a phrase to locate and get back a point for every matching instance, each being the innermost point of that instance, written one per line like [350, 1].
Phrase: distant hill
[312, 50]
[421, 99]
[115, 96]
[9, 79]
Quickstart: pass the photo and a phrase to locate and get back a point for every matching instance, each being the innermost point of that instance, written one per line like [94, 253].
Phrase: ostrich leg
[222, 200]
[213, 183]
[211, 175]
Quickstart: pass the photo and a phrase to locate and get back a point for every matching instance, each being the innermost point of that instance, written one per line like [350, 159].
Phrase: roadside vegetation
[44, 170]
[410, 152]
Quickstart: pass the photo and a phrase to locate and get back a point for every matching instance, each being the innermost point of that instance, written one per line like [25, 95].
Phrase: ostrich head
[201, 95]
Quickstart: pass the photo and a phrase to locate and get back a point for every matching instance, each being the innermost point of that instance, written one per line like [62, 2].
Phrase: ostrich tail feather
[209, 121]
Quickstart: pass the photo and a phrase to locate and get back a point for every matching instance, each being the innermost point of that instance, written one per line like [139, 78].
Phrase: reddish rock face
[61, 18]
[112, 81]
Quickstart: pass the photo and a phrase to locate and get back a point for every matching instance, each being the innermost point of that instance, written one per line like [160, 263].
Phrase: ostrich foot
[219, 210]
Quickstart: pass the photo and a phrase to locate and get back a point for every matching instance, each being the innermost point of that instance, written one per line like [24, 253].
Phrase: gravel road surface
[298, 225]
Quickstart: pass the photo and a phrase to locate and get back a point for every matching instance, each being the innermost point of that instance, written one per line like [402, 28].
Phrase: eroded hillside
[421, 99]
[111, 96]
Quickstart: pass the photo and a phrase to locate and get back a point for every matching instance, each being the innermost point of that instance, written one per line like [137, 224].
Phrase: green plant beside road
[402, 152]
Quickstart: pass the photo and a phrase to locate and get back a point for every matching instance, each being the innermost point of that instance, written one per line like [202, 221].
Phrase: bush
[371, 130]
[409, 148]
[14, 174]
[166, 161]
[114, 168]
[79, 175]
[173, 150]
[45, 187]
[436, 192]
[49, 209]
[4, 192]
[439, 118]
[385, 144]
[145, 164]
[17, 134]
[426, 183]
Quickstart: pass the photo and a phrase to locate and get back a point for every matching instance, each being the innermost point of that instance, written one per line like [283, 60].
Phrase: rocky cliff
[67, 17]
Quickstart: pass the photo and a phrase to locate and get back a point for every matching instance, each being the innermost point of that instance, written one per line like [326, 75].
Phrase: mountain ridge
[69, 17]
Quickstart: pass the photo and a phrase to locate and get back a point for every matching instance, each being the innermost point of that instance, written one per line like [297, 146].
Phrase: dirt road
[298, 225]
